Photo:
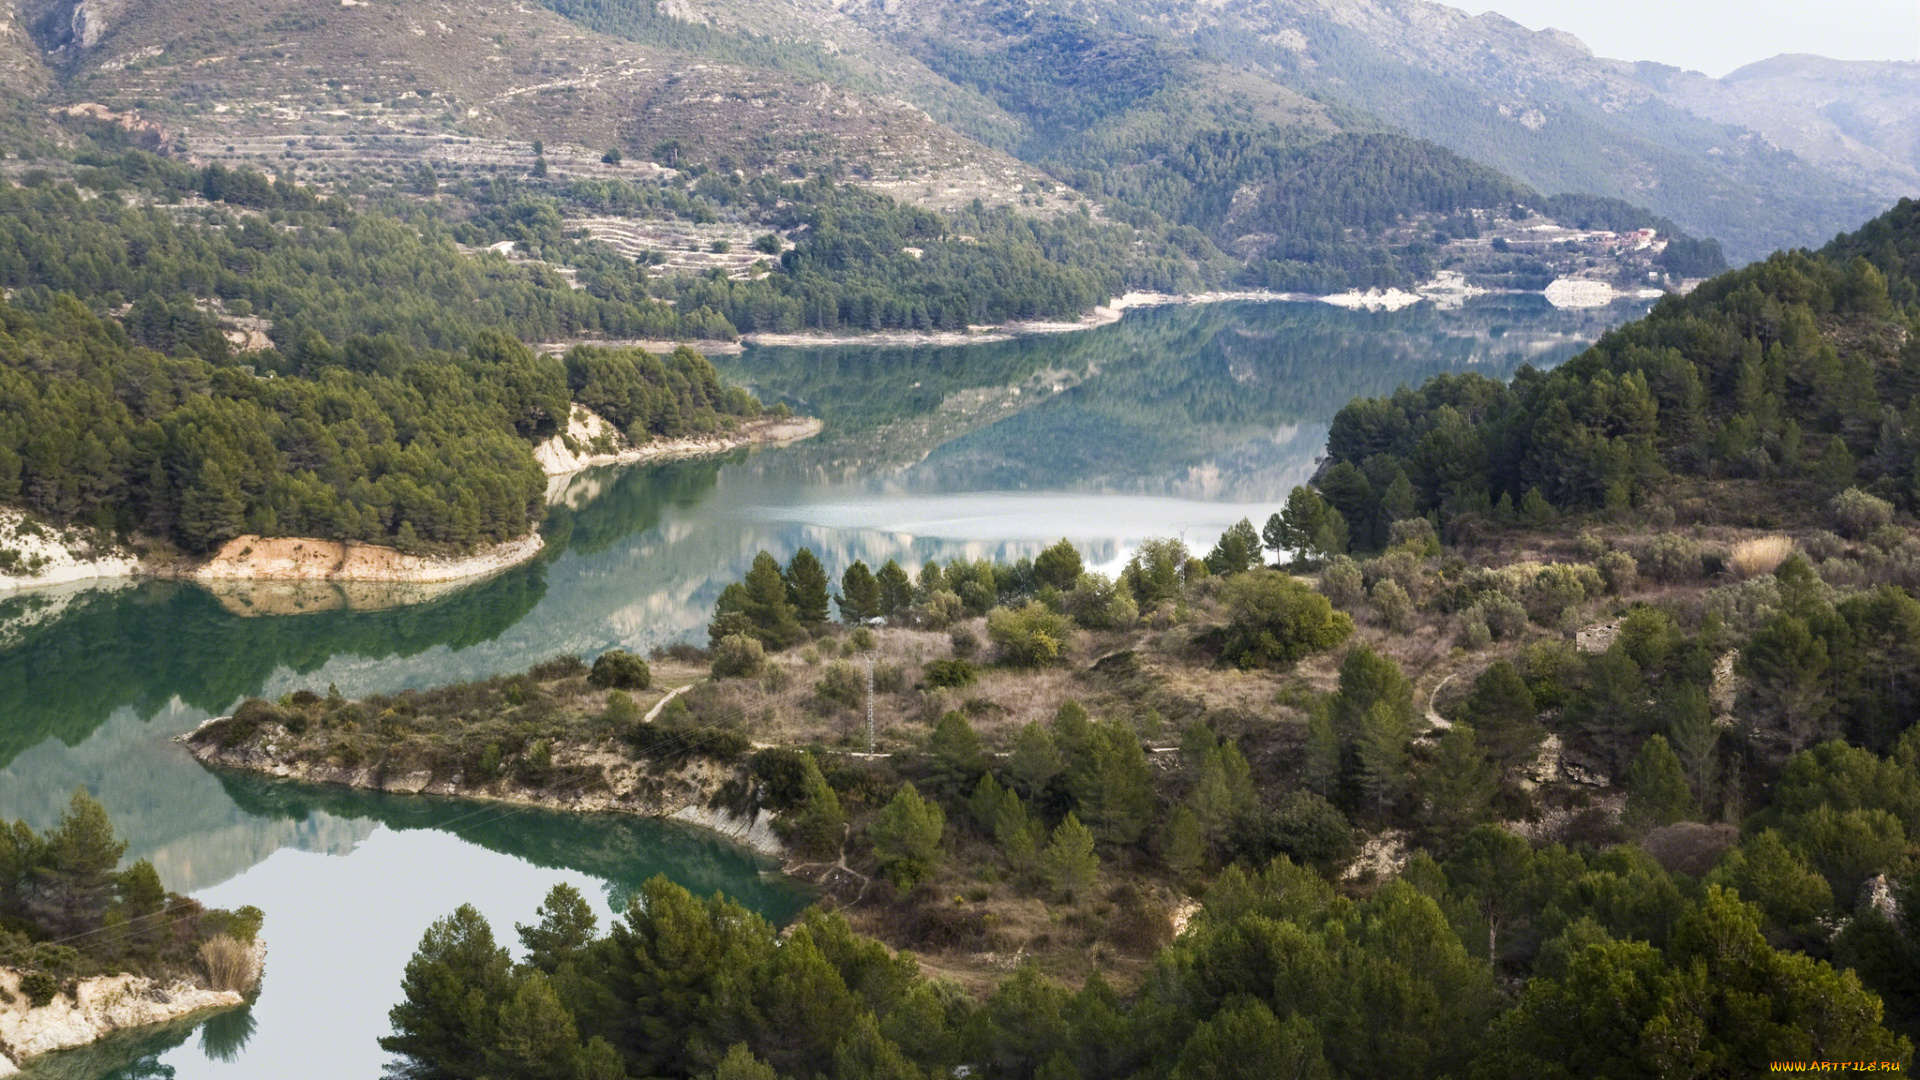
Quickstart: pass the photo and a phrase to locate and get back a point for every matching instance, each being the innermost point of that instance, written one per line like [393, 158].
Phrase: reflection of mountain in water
[163, 804]
[1209, 401]
[148, 646]
[621, 849]
[1243, 414]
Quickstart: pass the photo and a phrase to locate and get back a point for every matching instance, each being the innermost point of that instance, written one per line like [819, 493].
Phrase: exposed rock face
[615, 782]
[97, 1006]
[299, 559]
[590, 440]
[35, 554]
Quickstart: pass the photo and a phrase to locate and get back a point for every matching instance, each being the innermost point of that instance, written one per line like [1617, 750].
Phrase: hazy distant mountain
[1858, 120]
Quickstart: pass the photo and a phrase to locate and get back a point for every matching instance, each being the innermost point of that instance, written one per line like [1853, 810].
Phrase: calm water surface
[1172, 422]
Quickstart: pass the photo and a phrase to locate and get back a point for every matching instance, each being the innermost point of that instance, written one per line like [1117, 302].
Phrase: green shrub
[559, 667]
[1671, 558]
[738, 656]
[1858, 513]
[1342, 582]
[40, 988]
[950, 673]
[965, 642]
[1273, 620]
[841, 684]
[618, 669]
[1031, 636]
[621, 708]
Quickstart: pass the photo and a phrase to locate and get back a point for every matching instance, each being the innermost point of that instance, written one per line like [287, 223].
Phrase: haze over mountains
[942, 101]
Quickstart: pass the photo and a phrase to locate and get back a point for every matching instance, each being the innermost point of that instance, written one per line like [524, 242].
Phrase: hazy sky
[1716, 36]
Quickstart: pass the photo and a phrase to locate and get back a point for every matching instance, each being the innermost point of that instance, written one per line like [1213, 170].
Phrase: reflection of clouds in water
[1000, 521]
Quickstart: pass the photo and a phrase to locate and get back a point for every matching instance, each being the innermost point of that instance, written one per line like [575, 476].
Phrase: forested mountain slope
[1768, 390]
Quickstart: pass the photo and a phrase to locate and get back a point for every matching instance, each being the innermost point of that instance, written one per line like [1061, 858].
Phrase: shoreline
[558, 461]
[1447, 290]
[95, 1007]
[683, 795]
[251, 558]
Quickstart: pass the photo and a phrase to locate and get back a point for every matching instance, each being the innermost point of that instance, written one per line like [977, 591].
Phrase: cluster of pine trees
[373, 441]
[67, 910]
[1278, 975]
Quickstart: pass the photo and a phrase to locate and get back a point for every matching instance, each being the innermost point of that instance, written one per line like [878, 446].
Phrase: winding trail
[662, 703]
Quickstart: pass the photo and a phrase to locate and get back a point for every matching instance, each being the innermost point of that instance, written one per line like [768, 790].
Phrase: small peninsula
[87, 949]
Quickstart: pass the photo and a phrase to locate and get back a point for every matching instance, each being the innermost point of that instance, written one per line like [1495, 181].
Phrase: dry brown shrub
[230, 965]
[1759, 556]
[1689, 847]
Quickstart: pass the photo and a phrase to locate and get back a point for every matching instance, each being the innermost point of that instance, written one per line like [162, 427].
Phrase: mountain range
[940, 102]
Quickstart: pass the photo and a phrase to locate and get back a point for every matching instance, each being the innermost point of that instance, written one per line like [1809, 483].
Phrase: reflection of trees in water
[1160, 392]
[623, 850]
[225, 1034]
[143, 647]
[1220, 419]
[602, 506]
[123, 1055]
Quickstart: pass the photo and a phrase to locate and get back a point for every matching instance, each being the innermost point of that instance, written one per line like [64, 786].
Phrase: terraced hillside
[334, 89]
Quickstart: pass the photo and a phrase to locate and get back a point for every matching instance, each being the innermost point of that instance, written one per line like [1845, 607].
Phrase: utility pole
[869, 659]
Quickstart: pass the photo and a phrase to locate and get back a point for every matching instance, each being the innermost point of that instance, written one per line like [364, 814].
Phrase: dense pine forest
[394, 401]
[1754, 400]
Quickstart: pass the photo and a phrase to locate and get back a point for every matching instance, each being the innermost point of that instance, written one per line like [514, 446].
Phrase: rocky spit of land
[96, 1007]
[596, 778]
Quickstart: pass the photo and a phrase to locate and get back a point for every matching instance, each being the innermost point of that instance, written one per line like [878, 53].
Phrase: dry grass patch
[229, 964]
[1760, 556]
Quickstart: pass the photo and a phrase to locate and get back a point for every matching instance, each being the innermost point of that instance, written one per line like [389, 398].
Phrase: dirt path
[662, 703]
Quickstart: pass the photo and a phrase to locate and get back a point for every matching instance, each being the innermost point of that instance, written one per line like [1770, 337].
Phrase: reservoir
[1174, 421]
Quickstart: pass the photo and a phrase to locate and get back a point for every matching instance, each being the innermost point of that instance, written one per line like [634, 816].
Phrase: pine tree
[1504, 715]
[1111, 783]
[906, 837]
[1184, 844]
[536, 1037]
[896, 590]
[567, 925]
[452, 991]
[1069, 863]
[1380, 757]
[1058, 566]
[73, 880]
[1657, 790]
[807, 588]
[1458, 786]
[775, 620]
[859, 598]
[956, 758]
[1036, 760]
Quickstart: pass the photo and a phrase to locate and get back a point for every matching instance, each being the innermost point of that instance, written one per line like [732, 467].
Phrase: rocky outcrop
[300, 559]
[598, 778]
[35, 554]
[95, 1007]
[590, 440]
